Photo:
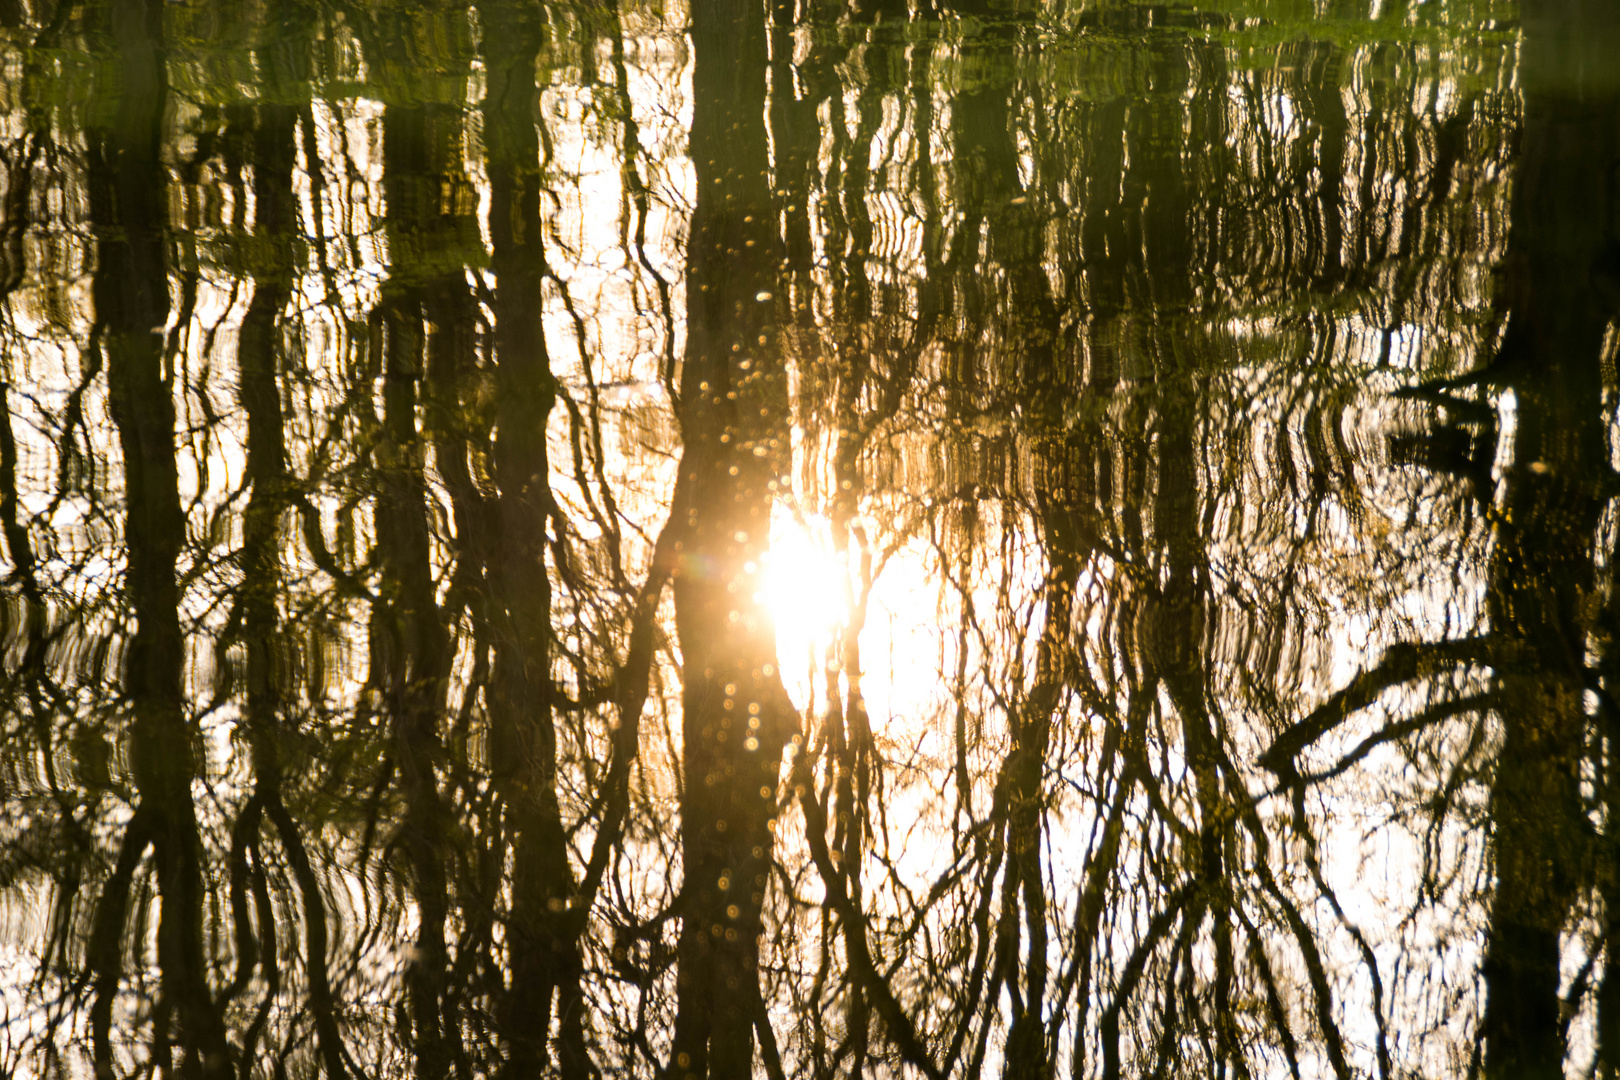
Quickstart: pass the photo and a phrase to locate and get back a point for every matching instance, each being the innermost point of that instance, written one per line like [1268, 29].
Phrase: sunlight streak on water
[807, 593]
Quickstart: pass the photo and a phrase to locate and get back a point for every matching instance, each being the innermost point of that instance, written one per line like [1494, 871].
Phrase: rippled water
[811, 540]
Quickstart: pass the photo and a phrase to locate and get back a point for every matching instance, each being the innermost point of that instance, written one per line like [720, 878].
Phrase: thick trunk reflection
[736, 716]
[127, 188]
[270, 131]
[1548, 543]
[523, 741]
[410, 649]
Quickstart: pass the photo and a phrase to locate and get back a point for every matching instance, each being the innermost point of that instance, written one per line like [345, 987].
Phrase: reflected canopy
[809, 538]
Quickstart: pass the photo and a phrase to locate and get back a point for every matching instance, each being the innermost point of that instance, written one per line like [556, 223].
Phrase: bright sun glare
[807, 591]
[810, 590]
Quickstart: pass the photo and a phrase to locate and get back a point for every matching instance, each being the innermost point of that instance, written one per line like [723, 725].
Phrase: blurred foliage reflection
[809, 538]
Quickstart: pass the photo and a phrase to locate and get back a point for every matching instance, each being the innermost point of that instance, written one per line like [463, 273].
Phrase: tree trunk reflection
[736, 717]
[126, 188]
[1543, 564]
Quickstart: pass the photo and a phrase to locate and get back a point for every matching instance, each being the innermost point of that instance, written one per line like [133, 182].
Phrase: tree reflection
[1205, 414]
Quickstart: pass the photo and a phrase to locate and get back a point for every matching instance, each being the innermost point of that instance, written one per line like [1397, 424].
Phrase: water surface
[809, 539]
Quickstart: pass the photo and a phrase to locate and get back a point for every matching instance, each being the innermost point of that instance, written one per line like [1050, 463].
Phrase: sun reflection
[814, 595]
[807, 590]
